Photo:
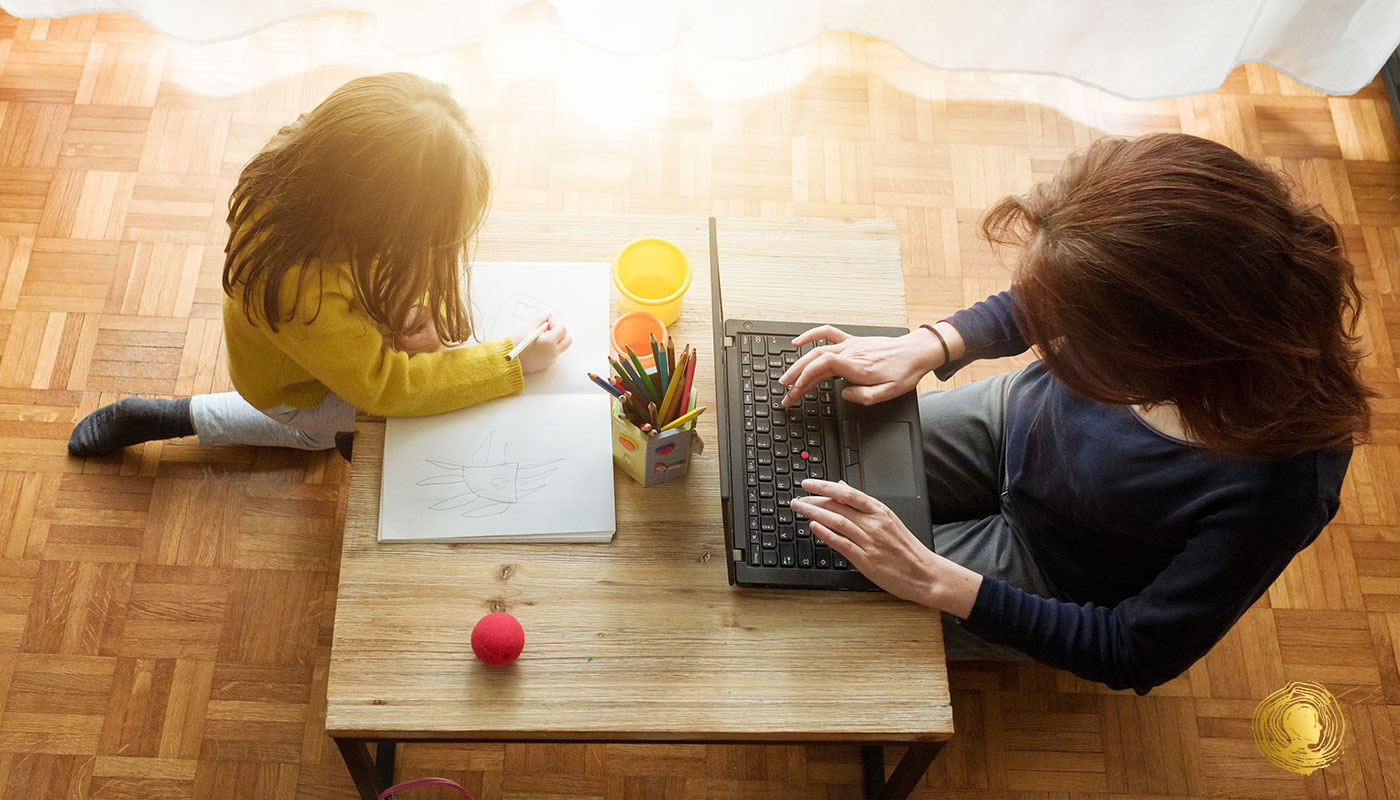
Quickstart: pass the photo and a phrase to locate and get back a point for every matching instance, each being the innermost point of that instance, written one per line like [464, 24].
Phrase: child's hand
[544, 350]
[418, 334]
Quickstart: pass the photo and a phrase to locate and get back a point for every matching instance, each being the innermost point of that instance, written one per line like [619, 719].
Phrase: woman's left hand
[877, 543]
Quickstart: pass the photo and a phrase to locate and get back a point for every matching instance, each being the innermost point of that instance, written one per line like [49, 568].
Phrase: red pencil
[689, 381]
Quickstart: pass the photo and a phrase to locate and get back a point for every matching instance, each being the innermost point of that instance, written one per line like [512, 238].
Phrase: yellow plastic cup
[651, 275]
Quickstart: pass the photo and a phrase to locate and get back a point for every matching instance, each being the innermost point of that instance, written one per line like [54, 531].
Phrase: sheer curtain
[1135, 48]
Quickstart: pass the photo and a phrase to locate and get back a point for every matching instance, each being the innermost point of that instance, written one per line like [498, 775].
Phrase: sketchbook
[534, 466]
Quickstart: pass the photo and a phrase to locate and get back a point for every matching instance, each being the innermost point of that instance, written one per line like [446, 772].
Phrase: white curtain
[1135, 48]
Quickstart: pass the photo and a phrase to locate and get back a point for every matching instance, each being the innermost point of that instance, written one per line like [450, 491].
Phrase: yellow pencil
[687, 367]
[683, 419]
[668, 403]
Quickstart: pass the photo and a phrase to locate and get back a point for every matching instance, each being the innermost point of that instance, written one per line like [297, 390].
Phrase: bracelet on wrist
[947, 355]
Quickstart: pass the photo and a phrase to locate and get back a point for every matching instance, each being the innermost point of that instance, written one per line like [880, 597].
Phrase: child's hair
[1171, 269]
[386, 175]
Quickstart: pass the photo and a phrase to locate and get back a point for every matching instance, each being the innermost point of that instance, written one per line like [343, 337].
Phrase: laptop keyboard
[782, 446]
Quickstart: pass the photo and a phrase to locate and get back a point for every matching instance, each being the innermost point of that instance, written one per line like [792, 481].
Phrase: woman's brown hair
[385, 175]
[1171, 269]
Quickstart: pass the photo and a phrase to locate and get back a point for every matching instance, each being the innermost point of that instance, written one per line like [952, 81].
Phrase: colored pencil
[683, 419]
[687, 403]
[638, 385]
[668, 402]
[651, 409]
[671, 356]
[524, 343]
[617, 370]
[607, 387]
[646, 379]
[625, 376]
[662, 374]
[634, 412]
[678, 404]
[624, 368]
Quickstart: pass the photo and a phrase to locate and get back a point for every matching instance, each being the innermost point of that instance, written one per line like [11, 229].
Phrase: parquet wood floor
[165, 614]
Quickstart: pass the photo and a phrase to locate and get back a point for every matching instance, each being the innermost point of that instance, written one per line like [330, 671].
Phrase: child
[352, 222]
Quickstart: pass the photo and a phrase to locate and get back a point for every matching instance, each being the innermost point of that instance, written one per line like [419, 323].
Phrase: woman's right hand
[879, 368]
[545, 350]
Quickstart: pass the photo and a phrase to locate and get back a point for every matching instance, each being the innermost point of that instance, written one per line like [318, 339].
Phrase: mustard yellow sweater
[334, 345]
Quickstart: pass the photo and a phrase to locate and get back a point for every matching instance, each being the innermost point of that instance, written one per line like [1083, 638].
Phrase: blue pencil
[643, 375]
[644, 387]
[607, 387]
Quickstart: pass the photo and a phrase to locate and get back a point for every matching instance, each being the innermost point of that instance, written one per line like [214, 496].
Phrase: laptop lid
[721, 375]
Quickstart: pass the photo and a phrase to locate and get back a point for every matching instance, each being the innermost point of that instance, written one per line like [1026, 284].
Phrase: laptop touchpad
[886, 459]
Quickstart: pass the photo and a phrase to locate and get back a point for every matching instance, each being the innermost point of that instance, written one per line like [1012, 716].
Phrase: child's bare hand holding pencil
[539, 345]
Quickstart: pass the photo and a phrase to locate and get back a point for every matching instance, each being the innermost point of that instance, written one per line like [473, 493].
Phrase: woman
[1113, 508]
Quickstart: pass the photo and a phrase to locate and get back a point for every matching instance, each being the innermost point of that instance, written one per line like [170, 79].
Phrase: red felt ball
[498, 639]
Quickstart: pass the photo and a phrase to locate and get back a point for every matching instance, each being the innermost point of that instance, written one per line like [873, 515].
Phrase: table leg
[873, 757]
[384, 752]
[906, 774]
[362, 768]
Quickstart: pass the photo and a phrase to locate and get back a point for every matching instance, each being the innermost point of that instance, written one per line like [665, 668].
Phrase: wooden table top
[641, 638]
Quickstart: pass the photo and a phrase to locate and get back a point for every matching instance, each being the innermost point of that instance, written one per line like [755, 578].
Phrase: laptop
[766, 450]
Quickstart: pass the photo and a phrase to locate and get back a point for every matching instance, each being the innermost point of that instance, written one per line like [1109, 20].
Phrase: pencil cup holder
[650, 460]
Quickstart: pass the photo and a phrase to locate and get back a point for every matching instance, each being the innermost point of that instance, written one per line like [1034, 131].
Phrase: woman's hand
[545, 350]
[878, 367]
[419, 335]
[877, 543]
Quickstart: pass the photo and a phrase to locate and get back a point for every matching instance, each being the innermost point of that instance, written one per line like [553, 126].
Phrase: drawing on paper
[516, 312]
[493, 481]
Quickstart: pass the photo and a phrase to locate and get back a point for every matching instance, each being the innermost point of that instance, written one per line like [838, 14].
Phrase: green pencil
[625, 376]
[637, 362]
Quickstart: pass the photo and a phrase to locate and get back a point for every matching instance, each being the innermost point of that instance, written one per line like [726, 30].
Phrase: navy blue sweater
[1160, 544]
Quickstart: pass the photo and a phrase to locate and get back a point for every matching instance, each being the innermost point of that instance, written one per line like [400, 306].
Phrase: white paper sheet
[535, 466]
[506, 298]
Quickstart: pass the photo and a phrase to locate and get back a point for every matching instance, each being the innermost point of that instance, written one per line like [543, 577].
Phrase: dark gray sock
[130, 420]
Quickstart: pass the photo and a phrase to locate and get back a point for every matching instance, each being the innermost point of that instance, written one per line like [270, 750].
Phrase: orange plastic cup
[635, 329]
[651, 275]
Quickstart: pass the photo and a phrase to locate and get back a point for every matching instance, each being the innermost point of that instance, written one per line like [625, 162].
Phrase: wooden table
[642, 639]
